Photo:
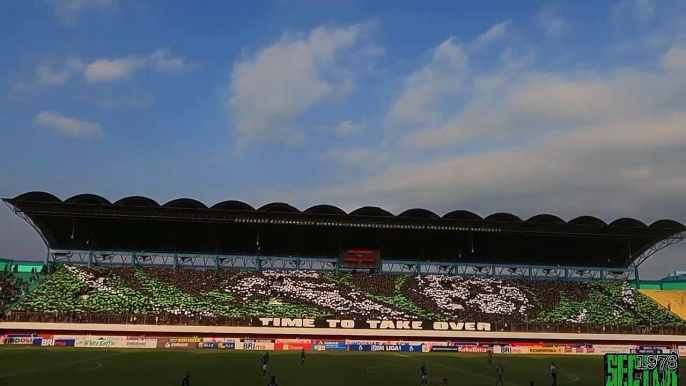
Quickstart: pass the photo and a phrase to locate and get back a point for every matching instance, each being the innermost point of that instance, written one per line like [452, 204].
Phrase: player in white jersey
[553, 373]
[499, 373]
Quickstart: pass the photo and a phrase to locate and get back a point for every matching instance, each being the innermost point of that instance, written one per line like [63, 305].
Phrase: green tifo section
[210, 293]
[82, 367]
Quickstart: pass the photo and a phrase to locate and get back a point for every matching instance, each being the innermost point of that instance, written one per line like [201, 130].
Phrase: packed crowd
[15, 285]
[175, 292]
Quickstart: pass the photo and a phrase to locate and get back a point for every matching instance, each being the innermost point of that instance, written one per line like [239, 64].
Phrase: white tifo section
[304, 332]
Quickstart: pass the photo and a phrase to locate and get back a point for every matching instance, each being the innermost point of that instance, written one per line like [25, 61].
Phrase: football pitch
[130, 367]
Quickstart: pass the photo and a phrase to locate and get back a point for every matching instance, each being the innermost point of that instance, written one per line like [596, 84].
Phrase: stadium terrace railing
[182, 320]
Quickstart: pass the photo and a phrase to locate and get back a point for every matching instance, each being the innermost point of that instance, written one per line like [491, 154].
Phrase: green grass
[81, 367]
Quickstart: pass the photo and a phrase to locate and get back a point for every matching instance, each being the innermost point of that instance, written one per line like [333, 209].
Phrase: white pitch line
[61, 365]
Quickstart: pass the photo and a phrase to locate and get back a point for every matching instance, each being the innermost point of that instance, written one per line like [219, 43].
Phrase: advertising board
[292, 345]
[330, 346]
[54, 342]
[22, 340]
[137, 343]
[510, 349]
[546, 350]
[218, 340]
[166, 343]
[217, 345]
[445, 349]
[101, 342]
[392, 348]
[256, 344]
[472, 349]
[602, 349]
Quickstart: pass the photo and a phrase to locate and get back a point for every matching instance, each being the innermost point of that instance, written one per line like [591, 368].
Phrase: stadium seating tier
[168, 292]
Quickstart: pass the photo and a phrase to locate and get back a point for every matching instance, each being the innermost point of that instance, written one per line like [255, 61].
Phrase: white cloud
[285, 80]
[103, 70]
[610, 143]
[107, 70]
[640, 10]
[348, 128]
[349, 157]
[69, 11]
[443, 76]
[495, 33]
[553, 25]
[70, 127]
[46, 75]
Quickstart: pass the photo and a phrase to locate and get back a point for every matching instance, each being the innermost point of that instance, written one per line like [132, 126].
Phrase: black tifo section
[91, 222]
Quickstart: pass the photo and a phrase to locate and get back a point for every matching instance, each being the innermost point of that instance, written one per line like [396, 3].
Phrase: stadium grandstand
[136, 261]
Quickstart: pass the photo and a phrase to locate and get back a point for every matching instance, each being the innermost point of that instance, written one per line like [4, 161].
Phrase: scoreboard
[360, 258]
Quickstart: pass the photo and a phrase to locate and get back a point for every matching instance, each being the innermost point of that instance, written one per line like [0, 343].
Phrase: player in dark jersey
[445, 381]
[273, 382]
[302, 357]
[186, 379]
[425, 379]
[499, 373]
[531, 383]
[265, 362]
[553, 373]
[489, 362]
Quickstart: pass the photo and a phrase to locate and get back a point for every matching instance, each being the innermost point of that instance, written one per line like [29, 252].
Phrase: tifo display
[309, 299]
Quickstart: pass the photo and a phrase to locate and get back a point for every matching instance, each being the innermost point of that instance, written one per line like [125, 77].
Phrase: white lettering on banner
[94, 343]
[333, 323]
[137, 343]
[374, 324]
[47, 343]
[459, 326]
[287, 322]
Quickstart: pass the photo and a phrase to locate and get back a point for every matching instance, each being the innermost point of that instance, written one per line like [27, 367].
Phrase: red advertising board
[292, 345]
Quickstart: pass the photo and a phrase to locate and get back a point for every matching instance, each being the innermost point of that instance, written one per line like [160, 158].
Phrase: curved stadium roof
[89, 221]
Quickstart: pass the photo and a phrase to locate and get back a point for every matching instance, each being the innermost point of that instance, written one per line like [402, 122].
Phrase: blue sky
[530, 107]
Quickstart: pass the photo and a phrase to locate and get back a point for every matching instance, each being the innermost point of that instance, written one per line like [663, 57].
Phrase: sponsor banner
[292, 346]
[54, 342]
[682, 351]
[256, 344]
[395, 348]
[650, 350]
[137, 343]
[371, 324]
[217, 345]
[546, 350]
[20, 340]
[186, 340]
[450, 343]
[445, 349]
[165, 343]
[330, 345]
[101, 342]
[510, 349]
[219, 340]
[293, 341]
[374, 342]
[472, 349]
[602, 349]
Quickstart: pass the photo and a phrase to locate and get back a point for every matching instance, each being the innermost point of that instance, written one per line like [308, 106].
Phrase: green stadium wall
[660, 285]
